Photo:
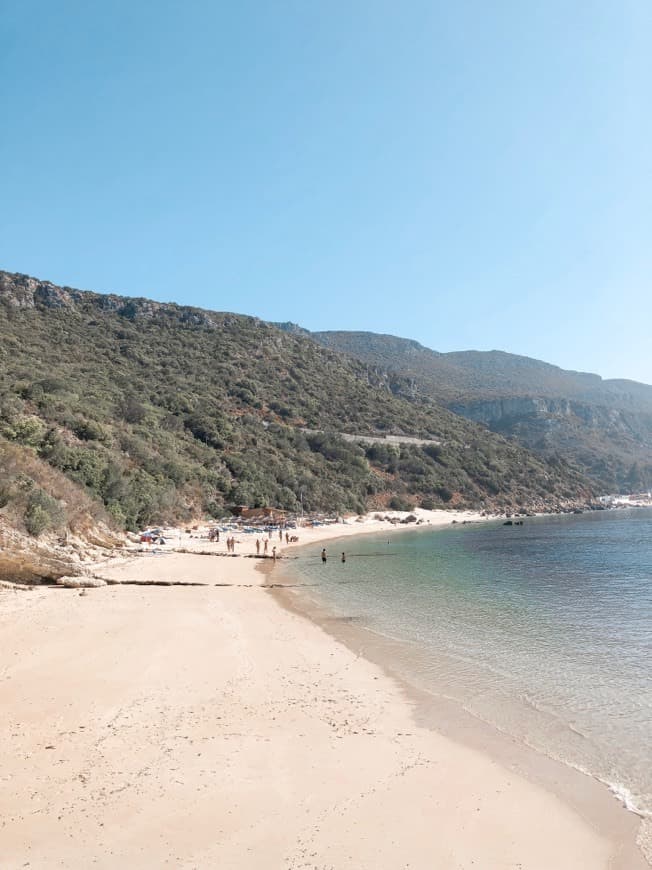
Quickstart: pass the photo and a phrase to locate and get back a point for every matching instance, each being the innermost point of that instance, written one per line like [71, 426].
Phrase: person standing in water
[343, 557]
[323, 555]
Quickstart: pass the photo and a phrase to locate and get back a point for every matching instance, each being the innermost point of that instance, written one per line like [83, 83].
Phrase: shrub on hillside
[131, 410]
[5, 494]
[89, 430]
[396, 503]
[42, 512]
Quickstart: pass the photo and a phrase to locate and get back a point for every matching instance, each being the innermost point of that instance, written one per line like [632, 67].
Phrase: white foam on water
[627, 798]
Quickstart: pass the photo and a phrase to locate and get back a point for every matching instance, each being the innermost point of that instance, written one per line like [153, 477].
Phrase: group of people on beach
[214, 536]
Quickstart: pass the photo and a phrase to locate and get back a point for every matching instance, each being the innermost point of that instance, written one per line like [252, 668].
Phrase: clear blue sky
[468, 174]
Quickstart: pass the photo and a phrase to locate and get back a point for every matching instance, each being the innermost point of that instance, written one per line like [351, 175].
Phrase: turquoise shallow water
[544, 630]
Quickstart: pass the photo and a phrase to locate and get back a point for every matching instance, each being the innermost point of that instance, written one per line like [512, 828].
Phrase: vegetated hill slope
[603, 427]
[48, 524]
[163, 411]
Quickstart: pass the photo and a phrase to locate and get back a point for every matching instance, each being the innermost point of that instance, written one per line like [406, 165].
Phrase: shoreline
[210, 726]
[593, 799]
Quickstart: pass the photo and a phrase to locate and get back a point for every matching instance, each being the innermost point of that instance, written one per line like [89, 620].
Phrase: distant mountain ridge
[603, 427]
[481, 372]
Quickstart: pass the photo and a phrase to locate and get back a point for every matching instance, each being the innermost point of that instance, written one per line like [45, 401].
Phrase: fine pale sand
[208, 727]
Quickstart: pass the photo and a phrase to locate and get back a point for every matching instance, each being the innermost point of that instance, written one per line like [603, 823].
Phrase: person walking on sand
[274, 553]
[280, 534]
[287, 538]
[265, 548]
[323, 555]
[258, 546]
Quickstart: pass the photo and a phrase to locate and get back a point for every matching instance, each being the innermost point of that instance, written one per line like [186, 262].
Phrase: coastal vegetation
[48, 523]
[157, 412]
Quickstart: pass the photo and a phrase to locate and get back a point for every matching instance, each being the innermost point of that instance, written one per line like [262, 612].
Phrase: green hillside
[161, 412]
[603, 427]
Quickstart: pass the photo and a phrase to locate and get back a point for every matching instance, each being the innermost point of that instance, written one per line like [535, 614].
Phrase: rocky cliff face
[22, 291]
[502, 413]
[613, 446]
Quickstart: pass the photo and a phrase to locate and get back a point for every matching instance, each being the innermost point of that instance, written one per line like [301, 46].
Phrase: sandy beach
[208, 726]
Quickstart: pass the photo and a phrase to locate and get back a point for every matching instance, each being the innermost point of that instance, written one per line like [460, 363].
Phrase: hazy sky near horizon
[468, 174]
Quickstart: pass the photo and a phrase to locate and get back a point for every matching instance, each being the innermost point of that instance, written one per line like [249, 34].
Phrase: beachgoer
[258, 546]
[323, 555]
[265, 548]
[280, 534]
[344, 557]
[274, 553]
[287, 538]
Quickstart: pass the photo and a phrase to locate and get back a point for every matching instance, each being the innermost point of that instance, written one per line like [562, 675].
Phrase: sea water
[543, 630]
